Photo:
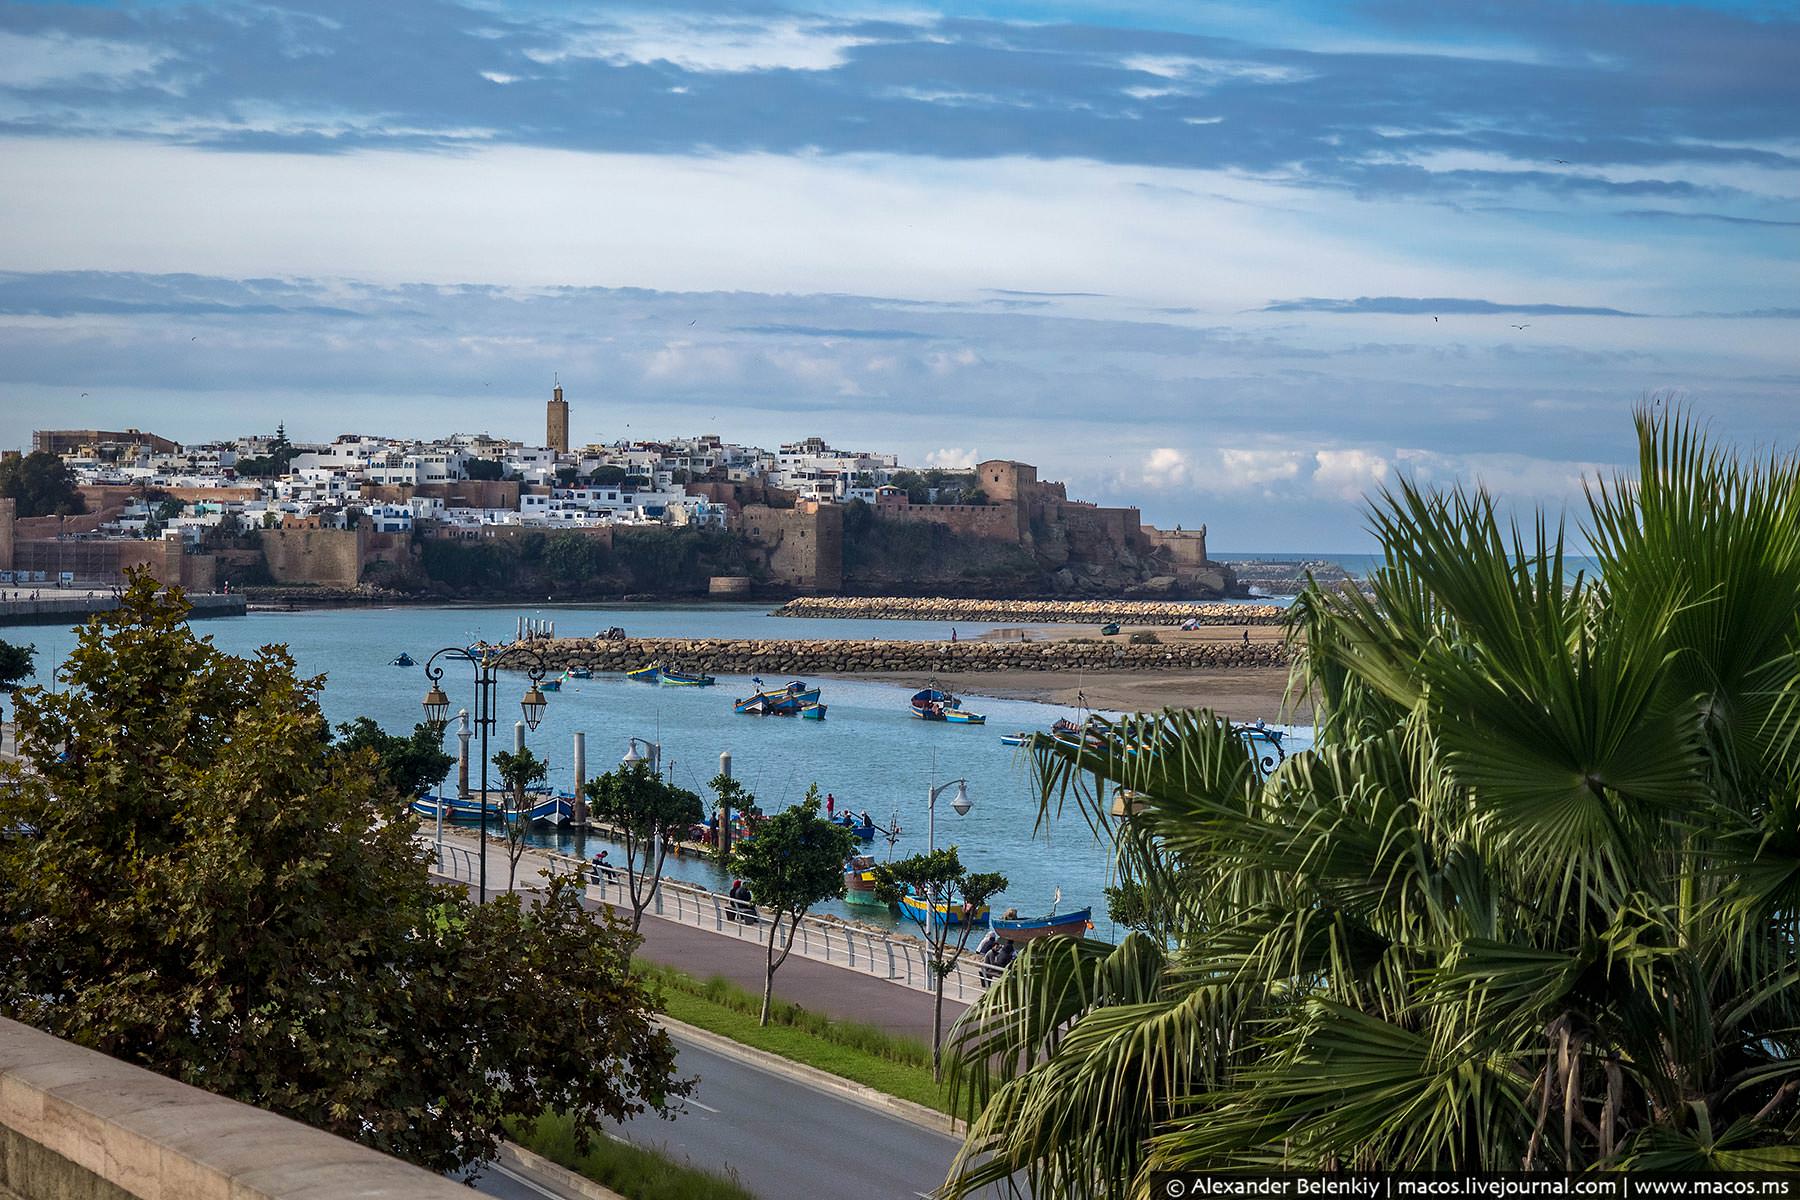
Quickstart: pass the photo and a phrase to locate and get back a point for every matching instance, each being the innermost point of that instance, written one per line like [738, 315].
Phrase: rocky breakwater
[782, 657]
[1083, 612]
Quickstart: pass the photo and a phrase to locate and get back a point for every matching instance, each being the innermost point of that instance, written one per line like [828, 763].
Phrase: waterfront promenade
[43, 605]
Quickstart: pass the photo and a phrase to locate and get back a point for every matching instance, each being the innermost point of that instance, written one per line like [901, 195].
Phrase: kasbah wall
[804, 544]
[332, 557]
[1018, 503]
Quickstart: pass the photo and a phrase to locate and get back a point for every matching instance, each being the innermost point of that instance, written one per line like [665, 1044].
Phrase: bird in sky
[1563, 161]
[84, 393]
[195, 338]
[695, 319]
[1434, 320]
[1521, 326]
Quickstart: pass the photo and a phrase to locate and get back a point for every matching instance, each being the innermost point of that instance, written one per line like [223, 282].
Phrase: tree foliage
[938, 878]
[192, 878]
[484, 469]
[520, 771]
[15, 663]
[795, 860]
[42, 485]
[648, 812]
[410, 766]
[1530, 902]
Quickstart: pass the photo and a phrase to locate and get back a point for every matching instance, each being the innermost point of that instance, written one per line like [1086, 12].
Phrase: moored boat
[929, 704]
[646, 674]
[675, 678]
[779, 702]
[942, 913]
[457, 809]
[580, 673]
[1025, 929]
[859, 881]
[1015, 739]
[812, 712]
[961, 716]
[402, 659]
[551, 685]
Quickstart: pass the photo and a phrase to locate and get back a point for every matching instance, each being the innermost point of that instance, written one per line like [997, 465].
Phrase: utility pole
[579, 814]
[725, 810]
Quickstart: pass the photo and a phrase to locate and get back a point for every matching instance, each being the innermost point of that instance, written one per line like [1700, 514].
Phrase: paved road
[508, 1185]
[785, 1139]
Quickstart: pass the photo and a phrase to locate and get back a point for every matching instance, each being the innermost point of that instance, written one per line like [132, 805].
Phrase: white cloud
[1347, 474]
[1212, 70]
[1166, 468]
[45, 60]
[1240, 468]
[949, 458]
[711, 44]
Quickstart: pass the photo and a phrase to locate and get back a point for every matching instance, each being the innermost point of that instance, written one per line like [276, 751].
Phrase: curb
[518, 1158]
[912, 1113]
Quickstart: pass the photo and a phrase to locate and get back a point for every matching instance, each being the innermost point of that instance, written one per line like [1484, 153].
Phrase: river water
[869, 752]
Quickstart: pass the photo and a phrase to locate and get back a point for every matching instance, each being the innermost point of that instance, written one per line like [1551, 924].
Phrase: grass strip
[632, 1171]
[862, 1053]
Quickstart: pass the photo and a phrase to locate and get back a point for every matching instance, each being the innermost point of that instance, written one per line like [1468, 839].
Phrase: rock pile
[778, 658]
[1095, 612]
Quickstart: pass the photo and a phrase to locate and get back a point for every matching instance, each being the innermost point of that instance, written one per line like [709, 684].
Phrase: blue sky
[1235, 263]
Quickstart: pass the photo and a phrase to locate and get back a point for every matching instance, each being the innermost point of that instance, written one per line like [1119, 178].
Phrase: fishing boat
[1109, 629]
[1264, 745]
[1015, 739]
[403, 659]
[676, 678]
[863, 829]
[649, 674]
[779, 702]
[941, 914]
[457, 809]
[1025, 929]
[961, 716]
[812, 712]
[929, 704]
[581, 673]
[550, 685]
[859, 881]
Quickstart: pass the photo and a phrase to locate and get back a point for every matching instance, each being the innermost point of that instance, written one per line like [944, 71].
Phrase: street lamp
[652, 753]
[962, 804]
[486, 661]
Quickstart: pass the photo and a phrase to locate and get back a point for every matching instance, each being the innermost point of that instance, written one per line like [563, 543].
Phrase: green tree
[519, 773]
[607, 476]
[485, 469]
[411, 765]
[193, 879]
[648, 813]
[938, 879]
[42, 485]
[15, 664]
[1529, 902]
[732, 797]
[795, 860]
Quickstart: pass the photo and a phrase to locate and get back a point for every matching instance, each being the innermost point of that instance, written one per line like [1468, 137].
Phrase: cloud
[1167, 468]
[707, 43]
[1409, 305]
[949, 458]
[33, 61]
[1347, 474]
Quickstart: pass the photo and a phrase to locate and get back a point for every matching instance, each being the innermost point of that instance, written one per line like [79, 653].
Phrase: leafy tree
[574, 557]
[607, 476]
[274, 464]
[484, 469]
[168, 510]
[938, 878]
[648, 813]
[193, 879]
[519, 772]
[795, 860]
[732, 797]
[1529, 902]
[567, 475]
[15, 664]
[411, 766]
[42, 485]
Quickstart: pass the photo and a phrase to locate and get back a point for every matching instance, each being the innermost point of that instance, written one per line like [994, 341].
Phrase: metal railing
[896, 957]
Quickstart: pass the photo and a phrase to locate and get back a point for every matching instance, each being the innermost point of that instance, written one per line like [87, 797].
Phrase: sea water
[869, 753]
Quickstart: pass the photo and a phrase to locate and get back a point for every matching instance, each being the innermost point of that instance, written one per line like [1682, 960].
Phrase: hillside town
[409, 514]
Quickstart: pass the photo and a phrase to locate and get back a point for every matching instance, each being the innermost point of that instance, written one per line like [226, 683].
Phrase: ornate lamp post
[485, 661]
[962, 804]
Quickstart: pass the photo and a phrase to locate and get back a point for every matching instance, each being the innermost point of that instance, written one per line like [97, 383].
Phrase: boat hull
[942, 914]
[648, 674]
[812, 712]
[957, 716]
[1028, 929]
[687, 679]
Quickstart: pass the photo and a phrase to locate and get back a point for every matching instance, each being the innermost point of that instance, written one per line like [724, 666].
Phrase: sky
[1236, 264]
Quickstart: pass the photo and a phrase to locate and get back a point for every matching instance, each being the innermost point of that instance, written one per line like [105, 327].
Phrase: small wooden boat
[864, 830]
[403, 659]
[551, 685]
[929, 704]
[674, 678]
[1025, 929]
[1264, 746]
[1109, 629]
[812, 712]
[859, 882]
[457, 809]
[959, 716]
[649, 674]
[781, 702]
[1015, 739]
[580, 673]
[941, 913]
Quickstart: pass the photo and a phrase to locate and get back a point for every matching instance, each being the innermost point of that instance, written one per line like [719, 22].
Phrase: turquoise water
[869, 752]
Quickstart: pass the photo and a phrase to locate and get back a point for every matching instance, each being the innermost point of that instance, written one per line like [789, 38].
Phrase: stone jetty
[1032, 612]
[777, 658]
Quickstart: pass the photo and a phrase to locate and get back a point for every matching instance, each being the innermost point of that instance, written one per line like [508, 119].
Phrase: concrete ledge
[77, 1123]
[542, 1171]
[913, 1114]
[74, 608]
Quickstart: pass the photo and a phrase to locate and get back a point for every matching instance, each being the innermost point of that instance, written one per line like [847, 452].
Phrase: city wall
[1031, 612]
[804, 544]
[330, 557]
[76, 1124]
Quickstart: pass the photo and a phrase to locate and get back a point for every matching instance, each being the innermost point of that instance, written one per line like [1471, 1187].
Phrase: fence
[896, 958]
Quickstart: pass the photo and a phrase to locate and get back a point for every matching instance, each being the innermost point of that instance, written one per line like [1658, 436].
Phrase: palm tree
[1530, 901]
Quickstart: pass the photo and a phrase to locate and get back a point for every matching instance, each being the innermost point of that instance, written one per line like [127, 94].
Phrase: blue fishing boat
[649, 674]
[812, 712]
[929, 704]
[403, 659]
[676, 678]
[962, 716]
[1025, 929]
[550, 685]
[1015, 739]
[581, 673]
[458, 810]
[780, 702]
[941, 913]
[863, 829]
[1264, 745]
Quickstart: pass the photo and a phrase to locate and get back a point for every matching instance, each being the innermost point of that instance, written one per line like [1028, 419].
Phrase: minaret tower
[556, 421]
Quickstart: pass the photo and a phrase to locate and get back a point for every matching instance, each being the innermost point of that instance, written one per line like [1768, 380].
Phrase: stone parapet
[1095, 612]
[76, 1123]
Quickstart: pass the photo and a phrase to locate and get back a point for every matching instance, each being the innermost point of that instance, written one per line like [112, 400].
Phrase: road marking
[703, 1107]
[536, 1187]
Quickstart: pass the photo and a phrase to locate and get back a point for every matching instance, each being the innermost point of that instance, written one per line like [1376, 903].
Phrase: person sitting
[604, 871]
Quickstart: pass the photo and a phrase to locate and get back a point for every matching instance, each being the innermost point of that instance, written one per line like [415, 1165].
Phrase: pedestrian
[830, 805]
[746, 905]
[1246, 637]
[953, 635]
[737, 900]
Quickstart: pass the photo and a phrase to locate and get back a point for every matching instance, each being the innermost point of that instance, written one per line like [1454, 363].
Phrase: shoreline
[1236, 693]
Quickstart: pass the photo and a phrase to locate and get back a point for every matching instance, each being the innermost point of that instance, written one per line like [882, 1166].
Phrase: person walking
[830, 805]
